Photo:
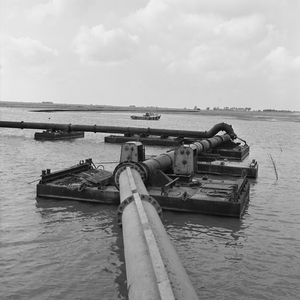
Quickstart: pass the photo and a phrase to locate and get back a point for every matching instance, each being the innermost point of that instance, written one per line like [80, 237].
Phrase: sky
[160, 53]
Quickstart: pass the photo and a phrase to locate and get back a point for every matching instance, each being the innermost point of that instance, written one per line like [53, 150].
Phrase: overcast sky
[165, 53]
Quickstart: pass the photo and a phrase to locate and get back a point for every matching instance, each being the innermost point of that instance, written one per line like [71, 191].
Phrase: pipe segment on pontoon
[165, 161]
[153, 268]
[125, 130]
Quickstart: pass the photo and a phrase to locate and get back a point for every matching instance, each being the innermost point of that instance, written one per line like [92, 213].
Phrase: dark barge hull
[51, 136]
[211, 195]
[119, 139]
[202, 205]
[156, 118]
[229, 168]
[147, 117]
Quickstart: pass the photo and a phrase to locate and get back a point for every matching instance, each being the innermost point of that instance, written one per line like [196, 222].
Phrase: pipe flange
[154, 203]
[133, 165]
[121, 209]
[131, 199]
[145, 169]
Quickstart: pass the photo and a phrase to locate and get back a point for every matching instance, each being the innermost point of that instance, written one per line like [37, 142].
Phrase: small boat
[147, 116]
[58, 135]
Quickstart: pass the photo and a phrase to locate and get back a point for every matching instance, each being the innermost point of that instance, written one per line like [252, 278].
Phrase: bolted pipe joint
[138, 166]
[130, 199]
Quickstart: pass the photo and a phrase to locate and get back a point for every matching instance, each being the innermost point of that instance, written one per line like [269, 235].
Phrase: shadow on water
[98, 223]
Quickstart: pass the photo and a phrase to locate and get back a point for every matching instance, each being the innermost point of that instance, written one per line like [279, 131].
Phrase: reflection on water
[95, 226]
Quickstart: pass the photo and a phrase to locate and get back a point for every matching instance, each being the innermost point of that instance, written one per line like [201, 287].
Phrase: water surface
[54, 249]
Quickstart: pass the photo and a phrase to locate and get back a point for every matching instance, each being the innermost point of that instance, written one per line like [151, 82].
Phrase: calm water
[68, 250]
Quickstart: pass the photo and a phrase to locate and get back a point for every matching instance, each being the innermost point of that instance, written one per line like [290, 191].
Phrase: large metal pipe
[165, 161]
[210, 143]
[125, 130]
[162, 162]
[153, 268]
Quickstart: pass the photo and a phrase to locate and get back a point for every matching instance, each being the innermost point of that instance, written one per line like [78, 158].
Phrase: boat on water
[147, 116]
[51, 135]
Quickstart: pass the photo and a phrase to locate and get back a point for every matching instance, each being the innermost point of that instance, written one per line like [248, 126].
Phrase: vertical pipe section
[153, 268]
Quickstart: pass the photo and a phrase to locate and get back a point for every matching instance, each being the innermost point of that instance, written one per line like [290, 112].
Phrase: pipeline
[165, 161]
[153, 268]
[205, 145]
[125, 130]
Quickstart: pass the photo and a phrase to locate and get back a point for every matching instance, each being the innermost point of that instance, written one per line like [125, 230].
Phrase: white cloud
[54, 8]
[172, 45]
[280, 64]
[191, 38]
[26, 51]
[151, 17]
[98, 45]
[241, 30]
[213, 65]
[192, 17]
[41, 11]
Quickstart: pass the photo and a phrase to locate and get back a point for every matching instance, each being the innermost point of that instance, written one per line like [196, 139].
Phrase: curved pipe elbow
[221, 127]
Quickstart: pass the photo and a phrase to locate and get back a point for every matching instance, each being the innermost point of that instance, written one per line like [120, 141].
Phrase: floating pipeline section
[210, 143]
[125, 130]
[153, 268]
[165, 161]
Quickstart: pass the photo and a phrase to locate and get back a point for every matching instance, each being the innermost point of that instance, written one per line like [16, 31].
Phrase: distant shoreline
[50, 107]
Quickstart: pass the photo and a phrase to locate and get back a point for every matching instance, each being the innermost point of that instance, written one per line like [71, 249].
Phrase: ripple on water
[68, 250]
